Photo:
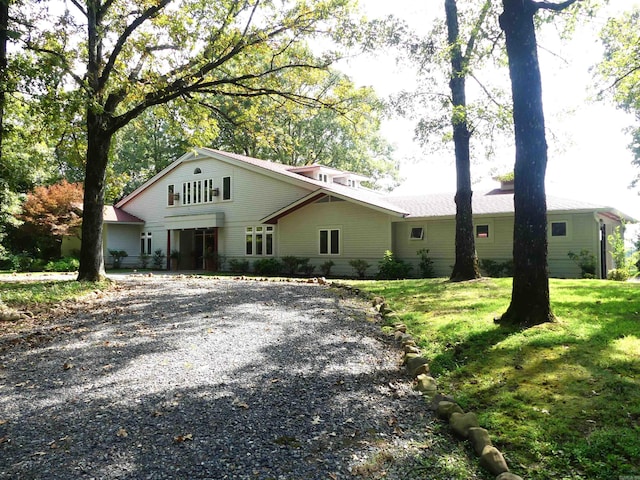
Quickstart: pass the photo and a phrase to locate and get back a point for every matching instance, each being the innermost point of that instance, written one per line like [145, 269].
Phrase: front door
[205, 249]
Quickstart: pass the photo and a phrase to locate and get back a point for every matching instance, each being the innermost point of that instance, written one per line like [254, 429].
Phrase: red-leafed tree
[51, 212]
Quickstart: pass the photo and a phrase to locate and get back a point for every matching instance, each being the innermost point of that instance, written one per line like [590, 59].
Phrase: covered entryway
[198, 249]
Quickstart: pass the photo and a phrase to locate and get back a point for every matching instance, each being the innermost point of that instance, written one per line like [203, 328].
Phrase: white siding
[122, 237]
[254, 196]
[364, 234]
[439, 238]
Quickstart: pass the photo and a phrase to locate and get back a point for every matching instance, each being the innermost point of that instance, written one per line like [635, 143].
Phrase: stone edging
[463, 425]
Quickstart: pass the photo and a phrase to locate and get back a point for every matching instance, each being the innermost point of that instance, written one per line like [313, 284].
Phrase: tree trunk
[98, 144]
[466, 263]
[530, 303]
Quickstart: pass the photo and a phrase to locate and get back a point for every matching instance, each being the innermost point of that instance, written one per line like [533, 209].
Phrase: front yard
[560, 400]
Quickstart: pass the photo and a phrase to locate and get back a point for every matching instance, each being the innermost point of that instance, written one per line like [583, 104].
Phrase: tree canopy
[124, 57]
[619, 70]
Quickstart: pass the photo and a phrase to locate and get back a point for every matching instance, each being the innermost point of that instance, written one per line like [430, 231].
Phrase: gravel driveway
[194, 378]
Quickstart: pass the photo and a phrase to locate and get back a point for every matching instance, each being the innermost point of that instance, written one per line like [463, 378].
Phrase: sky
[588, 155]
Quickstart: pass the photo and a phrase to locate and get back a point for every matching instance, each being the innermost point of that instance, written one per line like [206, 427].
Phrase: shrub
[290, 264]
[267, 266]
[118, 255]
[426, 264]
[325, 268]
[238, 266]
[619, 274]
[494, 268]
[359, 266]
[618, 250]
[158, 259]
[21, 262]
[66, 264]
[392, 269]
[586, 261]
[305, 267]
[144, 260]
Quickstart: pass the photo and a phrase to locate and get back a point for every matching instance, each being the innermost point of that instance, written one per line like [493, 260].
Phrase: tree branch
[146, 15]
[556, 7]
[620, 79]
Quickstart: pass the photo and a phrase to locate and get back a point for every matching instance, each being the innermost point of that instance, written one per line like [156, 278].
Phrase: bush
[586, 261]
[494, 268]
[325, 268]
[267, 266]
[22, 262]
[65, 264]
[290, 264]
[305, 267]
[144, 260]
[238, 266]
[118, 255]
[426, 264]
[619, 274]
[359, 266]
[158, 259]
[392, 269]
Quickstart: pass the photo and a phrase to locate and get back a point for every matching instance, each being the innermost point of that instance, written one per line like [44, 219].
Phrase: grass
[561, 400]
[44, 293]
[38, 297]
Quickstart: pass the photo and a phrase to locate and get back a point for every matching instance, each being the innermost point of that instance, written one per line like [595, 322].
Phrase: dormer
[506, 183]
[330, 175]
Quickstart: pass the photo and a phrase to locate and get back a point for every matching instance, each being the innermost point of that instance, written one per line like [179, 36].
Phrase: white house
[244, 208]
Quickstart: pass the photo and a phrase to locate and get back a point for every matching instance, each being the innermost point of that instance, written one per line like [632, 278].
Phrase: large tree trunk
[466, 263]
[98, 144]
[530, 303]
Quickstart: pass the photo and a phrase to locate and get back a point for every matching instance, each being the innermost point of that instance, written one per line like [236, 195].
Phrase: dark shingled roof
[443, 204]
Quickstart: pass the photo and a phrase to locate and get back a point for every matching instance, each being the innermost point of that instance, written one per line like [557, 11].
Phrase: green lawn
[561, 400]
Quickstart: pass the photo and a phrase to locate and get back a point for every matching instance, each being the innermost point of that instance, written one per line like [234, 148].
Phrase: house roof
[494, 202]
[111, 214]
[417, 206]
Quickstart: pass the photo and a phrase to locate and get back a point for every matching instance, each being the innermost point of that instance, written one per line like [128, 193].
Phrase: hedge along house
[210, 203]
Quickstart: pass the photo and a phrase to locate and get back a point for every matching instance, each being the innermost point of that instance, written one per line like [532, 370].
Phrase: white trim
[330, 245]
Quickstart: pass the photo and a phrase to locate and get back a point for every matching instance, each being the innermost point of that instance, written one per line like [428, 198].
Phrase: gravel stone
[191, 377]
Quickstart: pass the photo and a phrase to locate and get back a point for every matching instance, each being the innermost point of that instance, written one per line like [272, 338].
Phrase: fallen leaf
[4, 439]
[238, 403]
[122, 433]
[183, 438]
[2, 421]
[316, 420]
[68, 366]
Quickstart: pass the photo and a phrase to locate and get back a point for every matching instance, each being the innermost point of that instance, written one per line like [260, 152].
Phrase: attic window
[197, 171]
[417, 233]
[482, 231]
[558, 229]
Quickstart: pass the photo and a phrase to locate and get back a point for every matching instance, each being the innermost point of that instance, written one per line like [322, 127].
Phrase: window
[259, 240]
[482, 231]
[558, 229]
[417, 233]
[198, 191]
[171, 195]
[323, 177]
[330, 242]
[226, 188]
[197, 171]
[145, 243]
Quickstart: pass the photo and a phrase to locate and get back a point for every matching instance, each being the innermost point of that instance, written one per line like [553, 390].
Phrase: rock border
[464, 426]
